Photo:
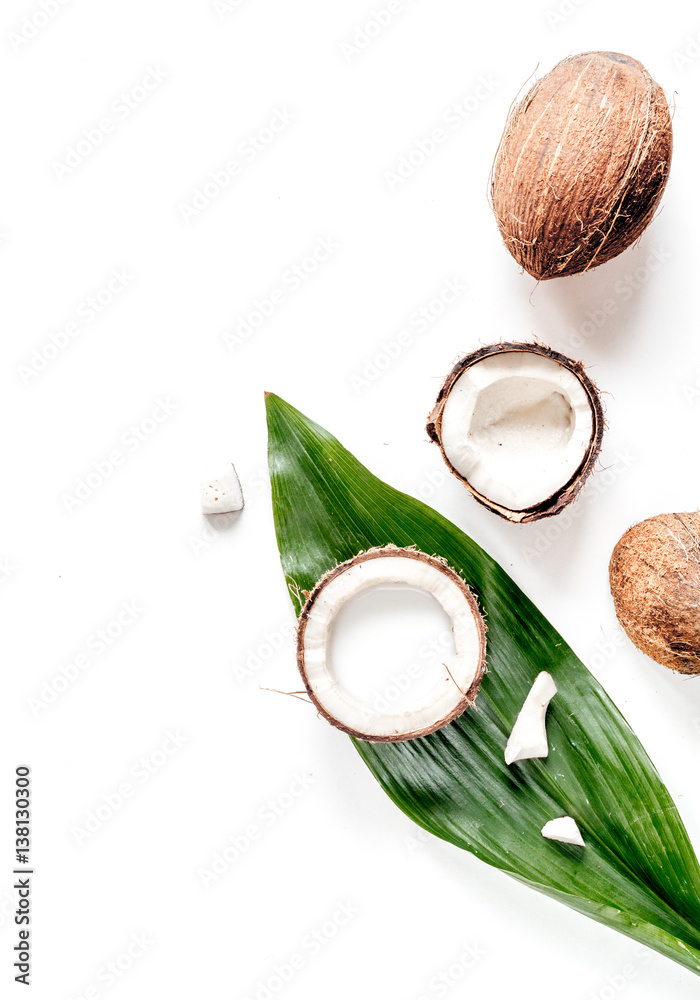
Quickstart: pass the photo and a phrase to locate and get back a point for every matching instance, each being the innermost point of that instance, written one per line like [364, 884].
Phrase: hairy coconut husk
[570, 490]
[582, 164]
[655, 583]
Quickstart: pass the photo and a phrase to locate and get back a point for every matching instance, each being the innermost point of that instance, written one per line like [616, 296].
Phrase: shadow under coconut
[601, 306]
[663, 708]
[679, 693]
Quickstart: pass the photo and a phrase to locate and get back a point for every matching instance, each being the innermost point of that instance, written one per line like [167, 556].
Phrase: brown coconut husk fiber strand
[582, 164]
[655, 583]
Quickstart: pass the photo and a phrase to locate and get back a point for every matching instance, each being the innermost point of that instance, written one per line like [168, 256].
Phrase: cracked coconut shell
[655, 583]
[582, 164]
[529, 389]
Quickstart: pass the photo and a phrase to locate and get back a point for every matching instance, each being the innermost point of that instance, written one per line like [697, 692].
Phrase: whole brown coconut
[655, 583]
[582, 164]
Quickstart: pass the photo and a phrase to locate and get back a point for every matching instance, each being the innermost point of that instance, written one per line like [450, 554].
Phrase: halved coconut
[464, 667]
[521, 426]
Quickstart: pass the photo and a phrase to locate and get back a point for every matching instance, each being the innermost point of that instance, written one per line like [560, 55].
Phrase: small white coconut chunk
[564, 829]
[528, 737]
[517, 426]
[222, 493]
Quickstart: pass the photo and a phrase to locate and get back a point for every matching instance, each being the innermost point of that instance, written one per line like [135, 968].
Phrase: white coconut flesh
[461, 665]
[388, 645]
[528, 737]
[222, 494]
[564, 829]
[517, 426]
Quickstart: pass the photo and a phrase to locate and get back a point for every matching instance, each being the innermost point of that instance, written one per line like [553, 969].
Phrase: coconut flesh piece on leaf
[639, 873]
[464, 666]
[521, 426]
[565, 829]
[528, 737]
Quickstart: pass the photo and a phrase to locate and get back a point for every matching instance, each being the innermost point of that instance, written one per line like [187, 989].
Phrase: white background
[211, 601]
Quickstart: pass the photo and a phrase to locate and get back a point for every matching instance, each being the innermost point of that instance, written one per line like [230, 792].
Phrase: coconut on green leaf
[456, 689]
[638, 873]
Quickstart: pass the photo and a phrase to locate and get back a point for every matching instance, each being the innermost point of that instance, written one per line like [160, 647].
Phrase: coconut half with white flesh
[521, 426]
[464, 666]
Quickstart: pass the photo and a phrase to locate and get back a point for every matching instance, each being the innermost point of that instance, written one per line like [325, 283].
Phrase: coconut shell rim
[468, 697]
[562, 497]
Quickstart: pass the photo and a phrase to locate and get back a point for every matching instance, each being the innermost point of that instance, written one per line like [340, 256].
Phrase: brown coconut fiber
[655, 583]
[582, 164]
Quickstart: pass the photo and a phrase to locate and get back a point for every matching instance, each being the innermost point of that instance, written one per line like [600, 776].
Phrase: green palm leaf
[638, 871]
